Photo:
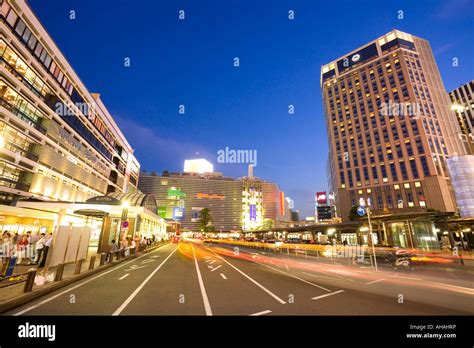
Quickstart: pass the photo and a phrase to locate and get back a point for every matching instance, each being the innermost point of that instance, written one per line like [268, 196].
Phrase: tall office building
[57, 140]
[462, 99]
[390, 127]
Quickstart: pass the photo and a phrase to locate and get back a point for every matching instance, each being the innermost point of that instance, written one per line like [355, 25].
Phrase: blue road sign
[361, 210]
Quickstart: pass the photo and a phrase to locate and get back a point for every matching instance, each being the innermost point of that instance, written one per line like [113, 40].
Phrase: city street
[193, 278]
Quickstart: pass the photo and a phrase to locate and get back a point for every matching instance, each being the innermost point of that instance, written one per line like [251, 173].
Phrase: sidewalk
[14, 295]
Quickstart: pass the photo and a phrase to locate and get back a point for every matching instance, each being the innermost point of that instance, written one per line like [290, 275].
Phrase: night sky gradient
[190, 62]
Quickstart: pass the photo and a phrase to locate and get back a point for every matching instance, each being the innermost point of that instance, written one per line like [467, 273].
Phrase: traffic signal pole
[372, 237]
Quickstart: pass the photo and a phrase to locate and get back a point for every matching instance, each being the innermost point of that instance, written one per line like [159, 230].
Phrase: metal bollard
[59, 272]
[102, 259]
[92, 262]
[30, 280]
[78, 266]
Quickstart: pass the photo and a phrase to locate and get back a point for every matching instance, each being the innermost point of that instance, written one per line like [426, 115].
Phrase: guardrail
[7, 278]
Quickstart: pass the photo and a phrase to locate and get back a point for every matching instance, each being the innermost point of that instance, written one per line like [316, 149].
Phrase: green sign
[162, 212]
[175, 193]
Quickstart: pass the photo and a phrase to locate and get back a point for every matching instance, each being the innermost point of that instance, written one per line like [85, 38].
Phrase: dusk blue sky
[190, 62]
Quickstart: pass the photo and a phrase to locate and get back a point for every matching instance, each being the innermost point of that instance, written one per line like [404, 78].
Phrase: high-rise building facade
[462, 99]
[57, 140]
[181, 197]
[390, 127]
[246, 203]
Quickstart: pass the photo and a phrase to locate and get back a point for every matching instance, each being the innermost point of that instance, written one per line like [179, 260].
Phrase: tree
[206, 221]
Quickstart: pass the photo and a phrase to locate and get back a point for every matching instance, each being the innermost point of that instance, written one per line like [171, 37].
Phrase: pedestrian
[39, 246]
[7, 245]
[16, 238]
[34, 239]
[113, 248]
[47, 245]
[127, 247]
[21, 248]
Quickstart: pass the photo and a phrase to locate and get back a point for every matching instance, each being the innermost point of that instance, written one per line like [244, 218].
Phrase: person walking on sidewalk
[47, 245]
[40, 247]
[33, 240]
[21, 249]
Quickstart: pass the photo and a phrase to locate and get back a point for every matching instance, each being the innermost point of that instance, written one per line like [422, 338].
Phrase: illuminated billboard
[253, 212]
[178, 214]
[195, 212]
[199, 166]
[282, 203]
[321, 198]
[175, 193]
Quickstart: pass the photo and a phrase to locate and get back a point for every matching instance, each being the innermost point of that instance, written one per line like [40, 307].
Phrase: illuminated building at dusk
[390, 127]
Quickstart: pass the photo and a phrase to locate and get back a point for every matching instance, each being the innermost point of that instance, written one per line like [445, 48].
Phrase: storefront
[115, 216]
[17, 220]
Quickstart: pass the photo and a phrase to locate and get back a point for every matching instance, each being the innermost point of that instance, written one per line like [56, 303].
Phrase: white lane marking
[147, 261]
[81, 284]
[327, 277]
[223, 276]
[125, 276]
[301, 279]
[399, 276]
[332, 293]
[456, 288]
[134, 267]
[207, 306]
[375, 281]
[260, 313]
[286, 266]
[140, 287]
[207, 257]
[212, 270]
[252, 280]
[212, 262]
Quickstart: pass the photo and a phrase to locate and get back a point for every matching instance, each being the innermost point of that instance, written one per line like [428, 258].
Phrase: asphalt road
[201, 279]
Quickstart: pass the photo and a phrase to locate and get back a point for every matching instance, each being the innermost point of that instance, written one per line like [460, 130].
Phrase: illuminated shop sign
[253, 212]
[201, 195]
[195, 212]
[174, 193]
[357, 57]
[321, 197]
[162, 212]
[282, 203]
[178, 214]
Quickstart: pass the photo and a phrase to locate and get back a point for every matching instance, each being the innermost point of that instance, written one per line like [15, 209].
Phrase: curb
[27, 297]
